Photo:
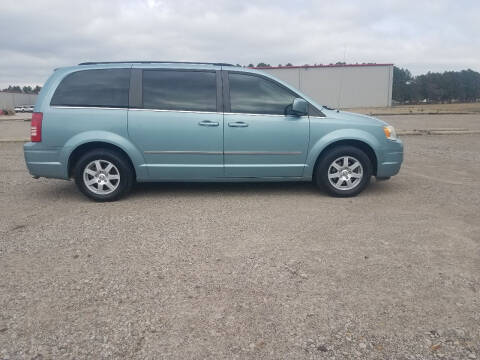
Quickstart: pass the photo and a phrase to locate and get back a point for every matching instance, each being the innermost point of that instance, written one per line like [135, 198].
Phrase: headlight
[390, 132]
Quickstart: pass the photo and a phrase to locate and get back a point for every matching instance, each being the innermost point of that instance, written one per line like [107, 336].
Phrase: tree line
[23, 90]
[449, 86]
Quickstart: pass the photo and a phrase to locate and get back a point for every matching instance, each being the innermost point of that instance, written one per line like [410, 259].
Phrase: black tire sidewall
[321, 171]
[123, 166]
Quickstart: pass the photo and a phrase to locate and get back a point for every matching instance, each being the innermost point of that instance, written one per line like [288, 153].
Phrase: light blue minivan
[109, 124]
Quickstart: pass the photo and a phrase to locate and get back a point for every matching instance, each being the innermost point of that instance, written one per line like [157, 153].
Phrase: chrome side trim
[181, 152]
[188, 152]
[262, 152]
[203, 112]
[44, 163]
[88, 107]
[177, 111]
[182, 165]
[249, 114]
[264, 165]
[161, 110]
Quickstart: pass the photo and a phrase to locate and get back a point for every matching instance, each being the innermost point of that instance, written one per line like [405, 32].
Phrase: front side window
[180, 90]
[98, 88]
[257, 95]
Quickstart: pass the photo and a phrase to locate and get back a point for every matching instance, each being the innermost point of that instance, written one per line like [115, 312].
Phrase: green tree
[402, 79]
[14, 88]
[436, 87]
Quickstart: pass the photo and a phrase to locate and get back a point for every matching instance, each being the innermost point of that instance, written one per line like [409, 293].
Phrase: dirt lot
[246, 270]
[466, 108]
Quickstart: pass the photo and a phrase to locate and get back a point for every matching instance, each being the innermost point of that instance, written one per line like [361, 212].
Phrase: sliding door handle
[237, 124]
[208, 123]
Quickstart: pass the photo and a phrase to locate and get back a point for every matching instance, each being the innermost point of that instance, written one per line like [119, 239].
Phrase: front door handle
[237, 124]
[208, 123]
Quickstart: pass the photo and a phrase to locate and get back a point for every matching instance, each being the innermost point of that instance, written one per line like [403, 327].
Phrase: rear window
[100, 88]
[180, 90]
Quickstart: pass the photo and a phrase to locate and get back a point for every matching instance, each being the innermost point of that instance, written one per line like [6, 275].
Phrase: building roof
[316, 66]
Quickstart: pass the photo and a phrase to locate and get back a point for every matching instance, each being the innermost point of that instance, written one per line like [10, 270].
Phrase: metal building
[8, 100]
[344, 86]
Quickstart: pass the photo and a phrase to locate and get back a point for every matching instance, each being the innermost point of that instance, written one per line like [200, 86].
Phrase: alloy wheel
[101, 177]
[345, 173]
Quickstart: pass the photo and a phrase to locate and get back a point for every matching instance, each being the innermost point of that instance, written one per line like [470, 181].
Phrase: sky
[38, 36]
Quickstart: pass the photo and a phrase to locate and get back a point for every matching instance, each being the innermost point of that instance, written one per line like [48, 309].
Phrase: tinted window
[103, 88]
[257, 95]
[180, 90]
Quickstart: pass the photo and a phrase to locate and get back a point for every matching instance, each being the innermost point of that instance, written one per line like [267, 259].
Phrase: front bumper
[391, 159]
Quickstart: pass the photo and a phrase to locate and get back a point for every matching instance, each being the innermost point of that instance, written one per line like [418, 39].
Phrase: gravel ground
[17, 116]
[410, 122]
[246, 270]
[14, 129]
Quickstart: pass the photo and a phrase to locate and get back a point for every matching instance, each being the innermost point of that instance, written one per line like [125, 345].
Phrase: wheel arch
[365, 147]
[91, 139]
[87, 146]
[352, 137]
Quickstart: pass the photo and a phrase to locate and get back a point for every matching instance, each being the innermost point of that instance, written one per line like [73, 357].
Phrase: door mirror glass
[299, 107]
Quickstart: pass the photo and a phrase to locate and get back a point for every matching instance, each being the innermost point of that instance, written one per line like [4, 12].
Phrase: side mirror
[299, 107]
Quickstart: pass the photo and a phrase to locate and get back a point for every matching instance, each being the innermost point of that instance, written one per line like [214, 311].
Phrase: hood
[353, 117]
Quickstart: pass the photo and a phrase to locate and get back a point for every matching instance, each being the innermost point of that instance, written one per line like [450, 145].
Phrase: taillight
[36, 127]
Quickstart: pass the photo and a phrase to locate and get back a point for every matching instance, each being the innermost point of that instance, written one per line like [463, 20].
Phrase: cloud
[38, 36]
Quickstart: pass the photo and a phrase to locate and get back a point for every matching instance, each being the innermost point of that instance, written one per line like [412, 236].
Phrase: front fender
[338, 135]
[105, 137]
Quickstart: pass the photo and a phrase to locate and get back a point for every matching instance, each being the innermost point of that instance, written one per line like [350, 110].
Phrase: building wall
[335, 86]
[341, 86]
[9, 100]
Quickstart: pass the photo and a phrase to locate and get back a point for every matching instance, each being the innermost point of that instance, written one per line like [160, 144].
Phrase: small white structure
[344, 86]
[8, 100]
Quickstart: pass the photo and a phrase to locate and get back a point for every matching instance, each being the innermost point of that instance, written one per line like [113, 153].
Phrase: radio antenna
[341, 78]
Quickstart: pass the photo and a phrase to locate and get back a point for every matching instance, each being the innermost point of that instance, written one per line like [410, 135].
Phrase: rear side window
[257, 95]
[180, 90]
[101, 88]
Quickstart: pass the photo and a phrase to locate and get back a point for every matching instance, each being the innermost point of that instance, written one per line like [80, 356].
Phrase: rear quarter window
[96, 88]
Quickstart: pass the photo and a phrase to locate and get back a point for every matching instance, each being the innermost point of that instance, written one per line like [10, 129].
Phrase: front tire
[343, 171]
[103, 175]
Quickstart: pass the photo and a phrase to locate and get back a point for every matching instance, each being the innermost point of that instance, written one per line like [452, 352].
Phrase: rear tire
[343, 171]
[103, 175]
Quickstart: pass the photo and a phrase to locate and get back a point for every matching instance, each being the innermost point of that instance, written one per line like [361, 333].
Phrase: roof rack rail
[154, 62]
